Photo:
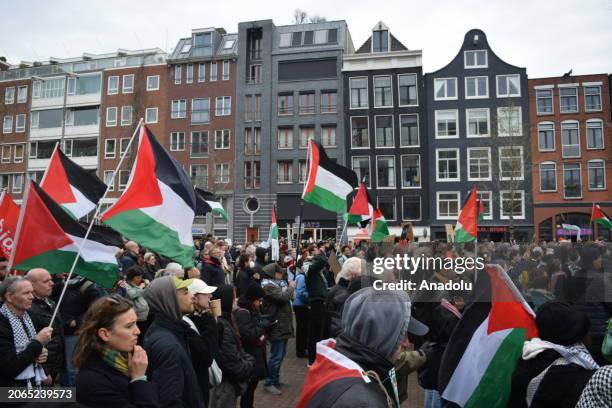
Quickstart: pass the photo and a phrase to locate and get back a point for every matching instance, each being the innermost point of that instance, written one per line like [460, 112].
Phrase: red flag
[360, 203]
[9, 214]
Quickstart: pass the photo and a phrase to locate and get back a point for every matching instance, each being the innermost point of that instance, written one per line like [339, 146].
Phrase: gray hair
[351, 268]
[9, 285]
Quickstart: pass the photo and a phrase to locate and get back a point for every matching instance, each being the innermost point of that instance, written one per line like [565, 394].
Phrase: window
[222, 139]
[199, 144]
[384, 131]
[511, 163]
[111, 116]
[544, 101]
[178, 109]
[124, 177]
[548, 177]
[445, 88]
[595, 134]
[407, 85]
[409, 131]
[328, 101]
[178, 70]
[199, 175]
[302, 170]
[477, 122]
[128, 84]
[476, 87]
[4, 180]
[546, 136]
[475, 59]
[568, 97]
[22, 94]
[189, 74]
[201, 72]
[360, 137]
[572, 183]
[109, 148]
[123, 145]
[383, 96]
[42, 149]
[359, 92]
[411, 171]
[254, 74]
[285, 40]
[509, 121]
[285, 138]
[49, 88]
[320, 36]
[6, 154]
[447, 205]
[361, 166]
[328, 136]
[386, 205]
[592, 98]
[108, 179]
[307, 103]
[81, 147]
[82, 117]
[385, 171]
[20, 123]
[113, 85]
[213, 71]
[285, 104]
[508, 86]
[570, 139]
[223, 106]
[200, 110]
[226, 71]
[7, 126]
[597, 175]
[411, 208]
[152, 82]
[50, 118]
[202, 40]
[18, 155]
[151, 115]
[485, 198]
[306, 133]
[447, 167]
[84, 85]
[479, 163]
[126, 115]
[380, 41]
[252, 174]
[447, 124]
[284, 172]
[332, 36]
[512, 204]
[177, 141]
[9, 95]
[256, 140]
[17, 183]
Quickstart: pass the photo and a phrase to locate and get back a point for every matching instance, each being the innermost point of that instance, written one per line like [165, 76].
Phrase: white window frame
[402, 172]
[571, 122]
[367, 93]
[121, 187]
[552, 98]
[390, 87]
[8, 129]
[109, 90]
[394, 186]
[490, 200]
[213, 68]
[404, 218]
[447, 217]
[501, 205]
[394, 206]
[418, 130]
[456, 111]
[201, 72]
[585, 86]
[580, 183]
[24, 98]
[126, 108]
[392, 132]
[225, 73]
[111, 123]
[149, 87]
[18, 159]
[603, 166]
[458, 178]
[229, 139]
[540, 176]
[586, 133]
[121, 142]
[123, 87]
[107, 153]
[178, 74]
[369, 184]
[11, 100]
[445, 98]
[416, 82]
[179, 115]
[522, 166]
[324, 127]
[467, 123]
[465, 82]
[369, 133]
[567, 86]
[6, 147]
[476, 66]
[278, 167]
[224, 107]
[499, 122]
[554, 147]
[20, 129]
[191, 154]
[509, 95]
[189, 70]
[153, 109]
[17, 187]
[469, 157]
[111, 187]
[283, 130]
[177, 134]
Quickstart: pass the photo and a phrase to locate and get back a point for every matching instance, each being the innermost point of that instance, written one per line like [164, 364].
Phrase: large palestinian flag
[599, 217]
[158, 206]
[361, 210]
[71, 186]
[482, 353]
[467, 223]
[47, 237]
[9, 214]
[207, 202]
[328, 184]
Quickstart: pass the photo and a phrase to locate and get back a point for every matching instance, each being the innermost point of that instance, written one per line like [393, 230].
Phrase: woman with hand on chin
[111, 366]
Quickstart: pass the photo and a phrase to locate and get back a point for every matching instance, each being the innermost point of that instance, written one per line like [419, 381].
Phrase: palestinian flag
[482, 353]
[599, 217]
[466, 229]
[158, 205]
[207, 202]
[380, 229]
[47, 237]
[273, 237]
[481, 210]
[9, 214]
[328, 184]
[71, 186]
[361, 210]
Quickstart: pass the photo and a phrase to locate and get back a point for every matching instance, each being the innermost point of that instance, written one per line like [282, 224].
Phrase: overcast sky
[547, 37]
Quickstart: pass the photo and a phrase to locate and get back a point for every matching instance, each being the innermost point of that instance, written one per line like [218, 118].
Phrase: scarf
[116, 359]
[577, 353]
[23, 333]
[597, 392]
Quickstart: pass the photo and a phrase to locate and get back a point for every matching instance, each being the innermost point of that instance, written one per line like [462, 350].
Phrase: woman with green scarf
[111, 366]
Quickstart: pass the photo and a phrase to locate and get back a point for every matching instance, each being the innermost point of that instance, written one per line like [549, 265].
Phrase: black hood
[260, 254]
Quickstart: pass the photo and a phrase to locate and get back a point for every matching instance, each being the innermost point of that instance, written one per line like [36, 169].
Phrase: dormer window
[476, 59]
[201, 40]
[380, 41]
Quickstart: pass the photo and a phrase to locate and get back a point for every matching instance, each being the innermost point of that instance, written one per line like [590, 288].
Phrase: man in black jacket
[212, 272]
[316, 285]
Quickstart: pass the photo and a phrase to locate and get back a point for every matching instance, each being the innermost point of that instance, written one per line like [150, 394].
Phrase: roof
[224, 45]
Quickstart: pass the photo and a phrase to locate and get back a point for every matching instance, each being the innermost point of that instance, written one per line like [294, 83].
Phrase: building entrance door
[252, 234]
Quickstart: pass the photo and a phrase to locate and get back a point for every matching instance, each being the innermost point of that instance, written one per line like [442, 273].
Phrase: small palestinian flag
[9, 214]
[599, 217]
[207, 202]
[481, 210]
[273, 237]
[380, 229]
[47, 237]
[328, 184]
[466, 229]
[74, 188]
[361, 209]
[158, 205]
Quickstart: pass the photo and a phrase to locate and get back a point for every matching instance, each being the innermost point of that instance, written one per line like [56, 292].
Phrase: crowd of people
[169, 336]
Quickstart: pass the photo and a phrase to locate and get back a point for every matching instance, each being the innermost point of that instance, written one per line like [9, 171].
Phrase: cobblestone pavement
[293, 372]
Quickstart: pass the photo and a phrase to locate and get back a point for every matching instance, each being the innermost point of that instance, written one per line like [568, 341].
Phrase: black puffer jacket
[12, 363]
[204, 348]
[334, 303]
[41, 313]
[252, 331]
[212, 273]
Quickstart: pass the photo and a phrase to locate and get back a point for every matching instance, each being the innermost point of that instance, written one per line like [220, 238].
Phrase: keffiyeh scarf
[598, 391]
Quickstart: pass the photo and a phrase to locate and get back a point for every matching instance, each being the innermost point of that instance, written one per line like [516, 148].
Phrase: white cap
[199, 286]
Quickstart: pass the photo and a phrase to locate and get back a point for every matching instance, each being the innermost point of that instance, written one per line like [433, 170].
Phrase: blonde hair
[351, 268]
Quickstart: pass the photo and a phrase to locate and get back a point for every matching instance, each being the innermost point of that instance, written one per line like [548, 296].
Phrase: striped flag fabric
[158, 205]
[361, 210]
[380, 228]
[48, 237]
[9, 214]
[207, 202]
[328, 184]
[75, 189]
[482, 353]
[273, 237]
[466, 229]
[599, 217]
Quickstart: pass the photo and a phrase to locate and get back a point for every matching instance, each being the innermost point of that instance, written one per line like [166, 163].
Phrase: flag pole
[91, 223]
[19, 223]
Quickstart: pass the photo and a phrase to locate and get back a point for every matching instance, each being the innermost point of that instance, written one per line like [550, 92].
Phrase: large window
[508, 86]
[384, 131]
[200, 110]
[479, 163]
[86, 85]
[328, 136]
[546, 136]
[42, 149]
[447, 205]
[475, 59]
[447, 124]
[568, 99]
[306, 133]
[572, 183]
[509, 121]
[544, 101]
[385, 172]
[85, 116]
[570, 139]
[477, 122]
[548, 177]
[222, 174]
[178, 109]
[512, 204]
[177, 141]
[111, 116]
[597, 175]
[285, 104]
[445, 88]
[411, 208]
[81, 147]
[409, 131]
[408, 93]
[328, 101]
[359, 92]
[511, 166]
[199, 175]
[44, 119]
[252, 174]
[447, 165]
[411, 171]
[382, 91]
[360, 137]
[592, 98]
[222, 139]
[49, 88]
[199, 144]
[152, 82]
[307, 103]
[476, 87]
[361, 166]
[285, 138]
[285, 169]
[223, 106]
[595, 134]
[380, 41]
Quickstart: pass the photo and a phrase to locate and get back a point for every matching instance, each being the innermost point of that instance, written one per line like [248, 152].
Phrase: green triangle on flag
[380, 229]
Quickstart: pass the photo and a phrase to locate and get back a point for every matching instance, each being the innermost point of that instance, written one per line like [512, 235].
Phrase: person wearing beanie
[316, 285]
[556, 366]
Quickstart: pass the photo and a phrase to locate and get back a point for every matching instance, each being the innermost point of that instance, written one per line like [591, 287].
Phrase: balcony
[46, 133]
[87, 162]
[82, 100]
[45, 103]
[83, 130]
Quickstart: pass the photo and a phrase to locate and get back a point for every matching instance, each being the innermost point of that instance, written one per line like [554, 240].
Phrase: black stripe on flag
[87, 183]
[202, 196]
[344, 173]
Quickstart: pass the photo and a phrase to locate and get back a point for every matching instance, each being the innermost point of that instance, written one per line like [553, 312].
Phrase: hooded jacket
[277, 303]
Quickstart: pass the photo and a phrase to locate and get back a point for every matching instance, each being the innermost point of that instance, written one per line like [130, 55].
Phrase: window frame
[490, 162]
[458, 158]
[325, 127]
[571, 122]
[404, 218]
[390, 77]
[369, 180]
[121, 187]
[600, 127]
[368, 129]
[467, 123]
[196, 112]
[156, 110]
[548, 163]
[376, 146]
[475, 66]
[416, 85]
[284, 130]
[520, 124]
[18, 159]
[123, 87]
[420, 186]
[489, 200]
[8, 148]
[386, 197]
[225, 75]
[565, 87]
[20, 129]
[554, 144]
[394, 186]
[213, 69]
[446, 97]
[367, 93]
[501, 205]
[584, 89]
[191, 144]
[290, 172]
[107, 153]
[17, 188]
[111, 187]
[149, 88]
[508, 95]
[565, 197]
[418, 130]
[178, 112]
[6, 130]
[465, 83]
[225, 175]
[24, 99]
[178, 74]
[229, 139]
[178, 145]
[551, 97]
[10, 101]
[125, 108]
[436, 113]
[522, 166]
[603, 167]
[448, 217]
[224, 107]
[114, 122]
[201, 72]
[189, 73]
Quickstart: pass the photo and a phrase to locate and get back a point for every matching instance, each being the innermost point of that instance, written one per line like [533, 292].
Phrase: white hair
[351, 268]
